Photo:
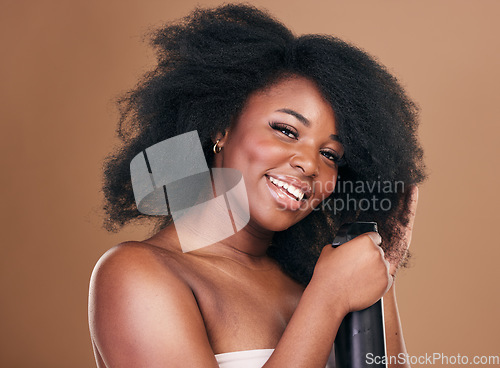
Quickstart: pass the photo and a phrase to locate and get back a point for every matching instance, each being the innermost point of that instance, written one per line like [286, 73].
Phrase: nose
[306, 160]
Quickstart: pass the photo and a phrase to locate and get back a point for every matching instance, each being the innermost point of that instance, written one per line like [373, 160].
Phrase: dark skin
[153, 305]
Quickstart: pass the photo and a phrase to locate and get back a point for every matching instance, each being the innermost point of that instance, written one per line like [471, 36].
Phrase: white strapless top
[253, 359]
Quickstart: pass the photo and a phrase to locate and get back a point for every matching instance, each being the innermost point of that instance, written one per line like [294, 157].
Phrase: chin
[281, 222]
[273, 216]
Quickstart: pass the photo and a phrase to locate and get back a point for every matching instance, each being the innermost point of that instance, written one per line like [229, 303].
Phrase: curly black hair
[208, 65]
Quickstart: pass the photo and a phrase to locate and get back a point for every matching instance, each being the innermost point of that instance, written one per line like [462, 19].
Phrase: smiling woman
[294, 115]
[282, 143]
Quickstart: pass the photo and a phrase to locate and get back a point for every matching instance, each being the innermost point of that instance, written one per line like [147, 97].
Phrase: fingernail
[375, 237]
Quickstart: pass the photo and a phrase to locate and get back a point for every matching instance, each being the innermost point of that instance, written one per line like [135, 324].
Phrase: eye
[286, 129]
[334, 157]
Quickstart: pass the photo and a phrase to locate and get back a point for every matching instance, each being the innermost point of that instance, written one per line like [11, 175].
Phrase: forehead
[296, 93]
[294, 88]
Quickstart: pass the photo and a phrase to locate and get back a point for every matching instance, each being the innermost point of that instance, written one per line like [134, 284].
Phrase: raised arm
[143, 315]
[394, 333]
[348, 278]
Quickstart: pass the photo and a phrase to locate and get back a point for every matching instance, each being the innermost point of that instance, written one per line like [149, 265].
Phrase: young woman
[297, 116]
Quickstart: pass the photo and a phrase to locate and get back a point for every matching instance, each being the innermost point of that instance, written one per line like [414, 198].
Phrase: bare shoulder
[132, 268]
[133, 259]
[141, 311]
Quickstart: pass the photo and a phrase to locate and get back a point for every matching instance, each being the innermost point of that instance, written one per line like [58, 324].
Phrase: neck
[249, 241]
[247, 246]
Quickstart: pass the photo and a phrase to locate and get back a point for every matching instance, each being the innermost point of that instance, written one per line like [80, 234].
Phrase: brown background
[62, 64]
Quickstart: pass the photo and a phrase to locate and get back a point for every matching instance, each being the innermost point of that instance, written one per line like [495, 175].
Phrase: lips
[297, 193]
[290, 192]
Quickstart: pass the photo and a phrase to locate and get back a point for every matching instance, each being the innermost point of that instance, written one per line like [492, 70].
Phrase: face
[285, 144]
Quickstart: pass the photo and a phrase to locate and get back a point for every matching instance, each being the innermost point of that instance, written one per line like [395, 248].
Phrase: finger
[328, 248]
[412, 201]
[375, 237]
[393, 268]
[390, 283]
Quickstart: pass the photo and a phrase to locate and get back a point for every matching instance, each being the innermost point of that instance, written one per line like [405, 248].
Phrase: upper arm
[142, 314]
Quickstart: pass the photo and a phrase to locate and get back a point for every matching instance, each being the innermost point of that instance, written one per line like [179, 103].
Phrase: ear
[221, 137]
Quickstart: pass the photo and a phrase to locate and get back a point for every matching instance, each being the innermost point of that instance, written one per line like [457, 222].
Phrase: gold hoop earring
[216, 147]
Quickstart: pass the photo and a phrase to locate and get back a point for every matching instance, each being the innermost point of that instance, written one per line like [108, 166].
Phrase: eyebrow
[298, 116]
[306, 122]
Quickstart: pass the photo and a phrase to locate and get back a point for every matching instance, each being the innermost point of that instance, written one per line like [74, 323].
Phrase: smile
[293, 191]
[290, 192]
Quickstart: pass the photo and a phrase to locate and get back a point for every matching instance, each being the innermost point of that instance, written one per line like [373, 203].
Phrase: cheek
[267, 152]
[326, 186]
[330, 185]
[257, 151]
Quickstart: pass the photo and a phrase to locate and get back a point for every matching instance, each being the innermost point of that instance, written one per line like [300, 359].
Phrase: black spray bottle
[361, 333]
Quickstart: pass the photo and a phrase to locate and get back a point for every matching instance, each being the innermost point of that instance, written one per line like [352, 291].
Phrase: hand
[354, 275]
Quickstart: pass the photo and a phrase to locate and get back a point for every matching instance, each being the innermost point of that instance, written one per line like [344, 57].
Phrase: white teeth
[296, 192]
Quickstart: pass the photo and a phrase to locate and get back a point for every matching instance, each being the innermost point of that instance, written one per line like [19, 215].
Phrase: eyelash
[334, 157]
[292, 133]
[285, 129]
